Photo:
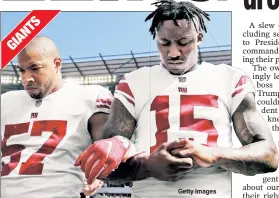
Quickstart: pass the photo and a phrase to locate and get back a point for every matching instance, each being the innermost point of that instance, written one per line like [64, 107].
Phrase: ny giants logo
[182, 89]
[34, 115]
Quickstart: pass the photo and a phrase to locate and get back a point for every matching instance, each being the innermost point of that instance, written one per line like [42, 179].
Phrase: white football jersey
[41, 140]
[197, 105]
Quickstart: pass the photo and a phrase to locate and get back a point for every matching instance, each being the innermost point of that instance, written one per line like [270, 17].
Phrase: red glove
[104, 156]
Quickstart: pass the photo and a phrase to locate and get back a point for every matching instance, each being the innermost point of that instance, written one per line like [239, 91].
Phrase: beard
[42, 92]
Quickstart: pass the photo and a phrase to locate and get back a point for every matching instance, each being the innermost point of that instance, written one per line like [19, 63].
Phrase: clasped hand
[169, 162]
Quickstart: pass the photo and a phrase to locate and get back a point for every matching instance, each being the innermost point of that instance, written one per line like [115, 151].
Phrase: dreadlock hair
[172, 10]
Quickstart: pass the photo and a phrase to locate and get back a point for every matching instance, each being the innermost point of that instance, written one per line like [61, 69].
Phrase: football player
[181, 110]
[45, 127]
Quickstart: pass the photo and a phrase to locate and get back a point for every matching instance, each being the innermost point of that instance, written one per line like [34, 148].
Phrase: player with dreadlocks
[179, 113]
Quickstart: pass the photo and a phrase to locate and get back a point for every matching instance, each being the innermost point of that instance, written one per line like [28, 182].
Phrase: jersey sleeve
[103, 101]
[10, 103]
[3, 104]
[124, 93]
[242, 84]
[98, 99]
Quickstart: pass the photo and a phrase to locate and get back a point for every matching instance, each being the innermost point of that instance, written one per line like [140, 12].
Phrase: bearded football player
[46, 126]
[183, 119]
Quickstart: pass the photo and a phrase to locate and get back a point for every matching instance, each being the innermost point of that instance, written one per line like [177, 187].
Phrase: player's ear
[58, 64]
[199, 38]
